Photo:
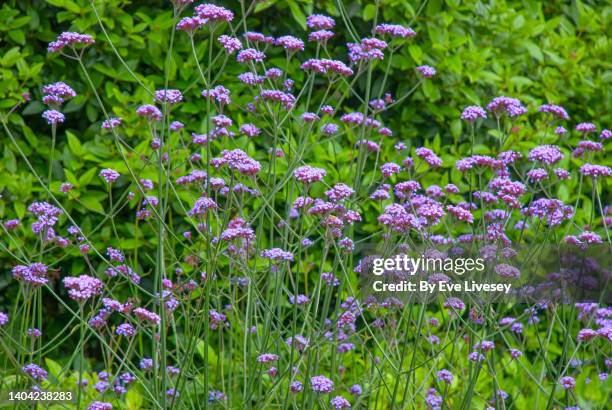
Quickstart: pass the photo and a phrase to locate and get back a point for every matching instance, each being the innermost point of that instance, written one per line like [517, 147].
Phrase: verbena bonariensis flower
[150, 112]
[308, 174]
[219, 94]
[4, 319]
[568, 382]
[255, 37]
[82, 288]
[321, 384]
[34, 274]
[214, 14]
[445, 376]
[429, 156]
[507, 271]
[586, 127]
[100, 405]
[250, 55]
[340, 402]
[53, 117]
[511, 106]
[111, 123]
[339, 192]
[201, 206]
[595, 171]
[395, 30]
[267, 358]
[368, 49]
[230, 44]
[554, 110]
[290, 43]
[109, 175]
[320, 36]
[59, 89]
[277, 255]
[168, 96]
[547, 154]
[325, 66]
[472, 113]
[126, 330]
[320, 22]
[605, 134]
[35, 372]
[238, 160]
[147, 316]
[287, 100]
[190, 24]
[426, 71]
[70, 39]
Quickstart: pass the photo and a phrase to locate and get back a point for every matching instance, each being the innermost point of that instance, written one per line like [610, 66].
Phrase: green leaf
[297, 14]
[212, 355]
[87, 177]
[54, 368]
[133, 399]
[75, 144]
[92, 203]
[369, 11]
[533, 50]
[416, 53]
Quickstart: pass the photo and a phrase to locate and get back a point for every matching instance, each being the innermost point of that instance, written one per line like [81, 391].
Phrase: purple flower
[308, 174]
[276, 255]
[356, 390]
[326, 66]
[83, 287]
[340, 402]
[111, 123]
[214, 14]
[109, 175]
[395, 30]
[319, 22]
[53, 117]
[190, 24]
[230, 44]
[426, 71]
[507, 271]
[60, 90]
[339, 192]
[296, 387]
[605, 134]
[595, 171]
[71, 39]
[548, 154]
[321, 384]
[149, 111]
[568, 382]
[201, 206]
[472, 113]
[554, 110]
[290, 43]
[35, 372]
[168, 96]
[258, 38]
[586, 127]
[267, 358]
[126, 329]
[250, 55]
[445, 376]
[4, 318]
[100, 405]
[429, 156]
[34, 274]
[320, 36]
[511, 106]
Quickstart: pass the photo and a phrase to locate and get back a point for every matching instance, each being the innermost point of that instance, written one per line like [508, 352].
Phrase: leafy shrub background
[539, 52]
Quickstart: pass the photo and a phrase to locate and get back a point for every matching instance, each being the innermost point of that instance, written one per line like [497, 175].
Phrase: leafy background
[555, 52]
